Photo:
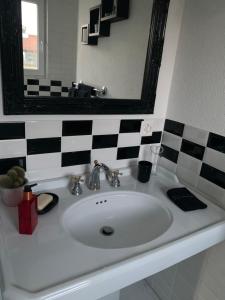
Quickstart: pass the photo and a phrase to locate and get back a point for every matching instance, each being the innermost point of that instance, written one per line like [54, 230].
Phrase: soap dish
[46, 208]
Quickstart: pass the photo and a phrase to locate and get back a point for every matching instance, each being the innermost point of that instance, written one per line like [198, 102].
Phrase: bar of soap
[43, 201]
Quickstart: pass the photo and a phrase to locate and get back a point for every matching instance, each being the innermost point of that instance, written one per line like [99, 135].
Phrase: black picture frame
[14, 101]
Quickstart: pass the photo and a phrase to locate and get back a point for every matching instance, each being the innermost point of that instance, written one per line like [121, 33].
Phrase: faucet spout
[94, 179]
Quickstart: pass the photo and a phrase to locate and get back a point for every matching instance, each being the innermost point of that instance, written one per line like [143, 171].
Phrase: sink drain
[107, 230]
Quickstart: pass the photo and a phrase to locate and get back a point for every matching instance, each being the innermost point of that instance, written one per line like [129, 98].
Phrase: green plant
[14, 178]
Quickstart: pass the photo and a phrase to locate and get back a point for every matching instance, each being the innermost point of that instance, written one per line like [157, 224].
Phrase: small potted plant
[11, 186]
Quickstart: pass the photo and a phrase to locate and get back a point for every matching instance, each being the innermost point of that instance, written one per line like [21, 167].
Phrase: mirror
[69, 50]
[81, 56]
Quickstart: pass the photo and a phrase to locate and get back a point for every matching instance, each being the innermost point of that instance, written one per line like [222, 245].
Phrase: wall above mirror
[81, 56]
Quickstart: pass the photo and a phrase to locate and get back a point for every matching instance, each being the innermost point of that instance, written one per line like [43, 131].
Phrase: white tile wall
[180, 281]
[129, 139]
[43, 129]
[215, 159]
[43, 161]
[101, 127]
[13, 148]
[167, 164]
[76, 143]
[214, 192]
[171, 140]
[196, 135]
[107, 156]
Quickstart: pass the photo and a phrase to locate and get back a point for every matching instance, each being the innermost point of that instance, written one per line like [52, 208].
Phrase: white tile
[167, 164]
[158, 124]
[43, 129]
[215, 283]
[187, 176]
[76, 143]
[76, 170]
[56, 88]
[49, 173]
[106, 156]
[123, 163]
[171, 140]
[129, 139]
[138, 291]
[190, 269]
[44, 81]
[189, 162]
[33, 88]
[215, 193]
[44, 93]
[105, 127]
[162, 289]
[215, 159]
[204, 293]
[43, 161]
[196, 135]
[13, 148]
[182, 289]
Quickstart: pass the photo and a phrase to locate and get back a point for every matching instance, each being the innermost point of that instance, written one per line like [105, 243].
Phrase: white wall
[197, 92]
[165, 76]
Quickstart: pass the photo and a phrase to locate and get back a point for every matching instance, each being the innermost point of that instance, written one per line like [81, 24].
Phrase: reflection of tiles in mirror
[46, 88]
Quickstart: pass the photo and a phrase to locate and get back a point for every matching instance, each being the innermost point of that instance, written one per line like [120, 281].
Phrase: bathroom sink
[116, 220]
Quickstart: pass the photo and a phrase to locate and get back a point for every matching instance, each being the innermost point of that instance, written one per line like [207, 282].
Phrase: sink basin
[116, 220]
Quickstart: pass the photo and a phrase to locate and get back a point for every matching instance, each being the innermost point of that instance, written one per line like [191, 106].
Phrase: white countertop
[50, 264]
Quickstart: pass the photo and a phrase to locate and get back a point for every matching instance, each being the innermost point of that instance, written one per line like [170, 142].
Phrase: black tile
[128, 152]
[104, 141]
[25, 87]
[170, 154]
[45, 145]
[174, 127]
[192, 149]
[130, 126]
[76, 158]
[153, 139]
[216, 142]
[32, 82]
[10, 131]
[8, 163]
[55, 94]
[71, 128]
[214, 175]
[45, 88]
[56, 83]
[32, 93]
[65, 89]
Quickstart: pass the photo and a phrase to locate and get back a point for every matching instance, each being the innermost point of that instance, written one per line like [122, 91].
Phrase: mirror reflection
[85, 48]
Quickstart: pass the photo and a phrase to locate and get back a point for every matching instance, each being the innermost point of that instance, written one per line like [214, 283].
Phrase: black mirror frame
[14, 102]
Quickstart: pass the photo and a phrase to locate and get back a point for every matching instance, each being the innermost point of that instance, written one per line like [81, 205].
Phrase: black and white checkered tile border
[45, 88]
[55, 145]
[196, 156]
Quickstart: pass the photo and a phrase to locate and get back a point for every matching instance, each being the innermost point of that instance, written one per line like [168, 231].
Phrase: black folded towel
[185, 200]
[84, 91]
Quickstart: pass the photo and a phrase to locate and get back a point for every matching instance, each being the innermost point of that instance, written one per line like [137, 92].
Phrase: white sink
[116, 220]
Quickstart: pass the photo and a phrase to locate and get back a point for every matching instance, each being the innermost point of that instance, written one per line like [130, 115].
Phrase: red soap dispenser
[28, 217]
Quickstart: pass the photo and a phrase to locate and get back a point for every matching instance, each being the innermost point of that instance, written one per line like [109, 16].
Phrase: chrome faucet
[94, 179]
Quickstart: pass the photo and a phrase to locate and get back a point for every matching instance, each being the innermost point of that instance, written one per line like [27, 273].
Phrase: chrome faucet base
[76, 188]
